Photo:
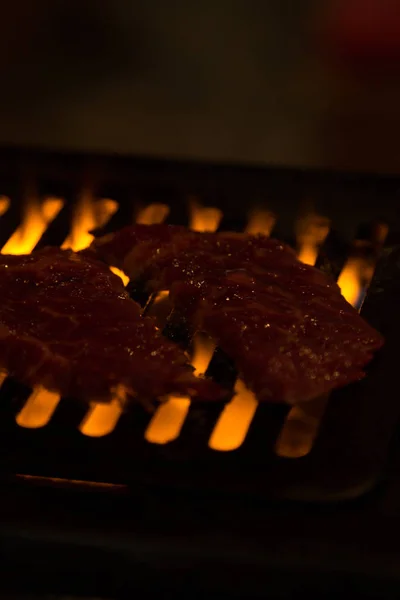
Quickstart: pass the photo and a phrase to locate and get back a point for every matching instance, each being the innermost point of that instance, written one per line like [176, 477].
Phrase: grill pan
[124, 473]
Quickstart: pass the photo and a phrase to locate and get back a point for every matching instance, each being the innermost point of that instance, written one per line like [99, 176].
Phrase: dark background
[217, 79]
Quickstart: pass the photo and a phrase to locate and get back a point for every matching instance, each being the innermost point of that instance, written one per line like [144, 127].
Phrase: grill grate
[349, 453]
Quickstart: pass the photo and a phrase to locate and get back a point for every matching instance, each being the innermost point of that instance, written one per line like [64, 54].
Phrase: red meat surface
[286, 325]
[67, 323]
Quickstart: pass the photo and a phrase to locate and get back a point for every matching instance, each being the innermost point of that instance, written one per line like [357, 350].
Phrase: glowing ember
[88, 215]
[35, 221]
[38, 409]
[260, 221]
[233, 424]
[152, 214]
[311, 233]
[204, 218]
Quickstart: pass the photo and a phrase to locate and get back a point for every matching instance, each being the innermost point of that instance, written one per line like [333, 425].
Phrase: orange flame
[204, 218]
[3, 377]
[351, 278]
[153, 214]
[159, 308]
[381, 233]
[121, 275]
[168, 420]
[4, 205]
[88, 215]
[260, 221]
[233, 424]
[36, 219]
[300, 429]
[203, 350]
[38, 409]
[101, 418]
[311, 233]
[161, 296]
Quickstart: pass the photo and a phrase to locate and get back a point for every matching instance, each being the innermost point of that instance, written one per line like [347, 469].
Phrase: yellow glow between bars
[3, 377]
[350, 280]
[38, 409]
[300, 428]
[260, 221]
[308, 254]
[101, 419]
[121, 275]
[167, 421]
[36, 219]
[233, 424]
[204, 218]
[169, 417]
[152, 214]
[88, 215]
[203, 349]
[311, 233]
[4, 205]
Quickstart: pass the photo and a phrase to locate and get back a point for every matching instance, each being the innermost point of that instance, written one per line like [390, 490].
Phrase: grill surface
[350, 454]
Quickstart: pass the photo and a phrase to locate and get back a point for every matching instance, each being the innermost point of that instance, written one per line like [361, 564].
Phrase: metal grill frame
[329, 472]
[163, 489]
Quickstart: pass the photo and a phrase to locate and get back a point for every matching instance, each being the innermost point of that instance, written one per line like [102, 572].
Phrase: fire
[354, 279]
[88, 215]
[38, 409]
[300, 429]
[203, 349]
[159, 308]
[121, 274]
[233, 424]
[4, 205]
[260, 221]
[168, 420]
[152, 214]
[101, 418]
[204, 218]
[311, 234]
[37, 217]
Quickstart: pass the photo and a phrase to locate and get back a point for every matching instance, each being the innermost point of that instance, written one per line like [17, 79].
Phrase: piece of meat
[286, 325]
[158, 255]
[67, 323]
